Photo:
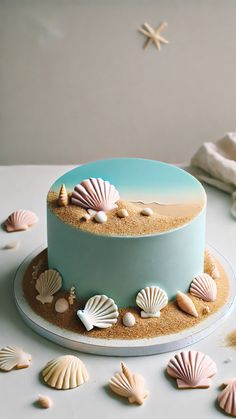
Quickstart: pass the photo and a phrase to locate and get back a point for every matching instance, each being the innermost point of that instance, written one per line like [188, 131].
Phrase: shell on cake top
[20, 220]
[95, 194]
[12, 357]
[48, 283]
[151, 300]
[63, 198]
[99, 311]
[204, 287]
[227, 398]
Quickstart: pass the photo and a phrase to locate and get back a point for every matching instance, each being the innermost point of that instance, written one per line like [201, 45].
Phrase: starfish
[153, 35]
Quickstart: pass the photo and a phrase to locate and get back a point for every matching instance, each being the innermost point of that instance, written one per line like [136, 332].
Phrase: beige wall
[76, 85]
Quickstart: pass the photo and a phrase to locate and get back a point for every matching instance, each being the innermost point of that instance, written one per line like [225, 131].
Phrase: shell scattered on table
[129, 385]
[12, 245]
[44, 402]
[100, 217]
[191, 369]
[227, 398]
[61, 305]
[63, 198]
[147, 212]
[151, 300]
[128, 319]
[185, 303]
[95, 194]
[100, 311]
[12, 357]
[122, 213]
[65, 372]
[20, 220]
[211, 265]
[48, 283]
[204, 287]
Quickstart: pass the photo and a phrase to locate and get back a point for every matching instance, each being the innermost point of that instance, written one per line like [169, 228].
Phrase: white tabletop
[26, 187]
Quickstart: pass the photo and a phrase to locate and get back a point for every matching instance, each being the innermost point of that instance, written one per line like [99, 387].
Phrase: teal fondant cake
[118, 226]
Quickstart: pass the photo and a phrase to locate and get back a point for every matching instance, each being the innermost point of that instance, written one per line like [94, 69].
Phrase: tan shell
[13, 357]
[227, 398]
[45, 402]
[122, 213]
[129, 385]
[204, 287]
[63, 198]
[211, 265]
[186, 304]
[48, 283]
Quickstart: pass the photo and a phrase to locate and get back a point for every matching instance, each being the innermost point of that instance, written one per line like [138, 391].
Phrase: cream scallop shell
[95, 194]
[65, 372]
[13, 357]
[227, 398]
[204, 287]
[151, 300]
[20, 220]
[100, 311]
[129, 385]
[48, 283]
[191, 369]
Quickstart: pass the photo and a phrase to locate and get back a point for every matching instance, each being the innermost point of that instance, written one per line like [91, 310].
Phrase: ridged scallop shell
[227, 398]
[65, 372]
[129, 385]
[13, 357]
[48, 283]
[95, 194]
[20, 220]
[191, 369]
[100, 311]
[151, 300]
[63, 198]
[186, 304]
[204, 287]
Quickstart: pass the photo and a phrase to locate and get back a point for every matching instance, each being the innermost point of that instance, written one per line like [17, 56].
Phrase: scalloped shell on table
[48, 283]
[95, 194]
[20, 220]
[63, 198]
[99, 311]
[129, 385]
[185, 303]
[204, 287]
[191, 369]
[151, 300]
[13, 357]
[227, 398]
[65, 372]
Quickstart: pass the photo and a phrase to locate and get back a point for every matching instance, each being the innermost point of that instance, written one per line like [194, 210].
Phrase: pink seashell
[20, 220]
[95, 194]
[191, 369]
[204, 287]
[227, 398]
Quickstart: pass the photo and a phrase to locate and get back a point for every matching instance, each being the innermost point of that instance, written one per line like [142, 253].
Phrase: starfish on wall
[153, 35]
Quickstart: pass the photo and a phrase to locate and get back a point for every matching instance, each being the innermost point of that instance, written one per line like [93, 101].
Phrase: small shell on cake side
[20, 220]
[63, 198]
[129, 385]
[100, 217]
[227, 398]
[61, 305]
[151, 300]
[122, 213]
[212, 266]
[186, 304]
[99, 311]
[12, 357]
[191, 369]
[48, 283]
[95, 194]
[128, 319]
[204, 287]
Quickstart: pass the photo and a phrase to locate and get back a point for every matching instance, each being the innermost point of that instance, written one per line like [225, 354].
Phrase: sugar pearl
[100, 217]
[128, 320]
[61, 305]
[147, 211]
[122, 213]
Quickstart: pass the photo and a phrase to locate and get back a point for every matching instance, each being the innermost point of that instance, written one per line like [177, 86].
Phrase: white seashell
[151, 300]
[13, 357]
[63, 198]
[45, 402]
[61, 305]
[128, 320]
[95, 194]
[122, 213]
[100, 217]
[20, 220]
[191, 369]
[12, 245]
[129, 385]
[48, 283]
[227, 398]
[147, 211]
[99, 311]
[65, 372]
[204, 287]
[186, 304]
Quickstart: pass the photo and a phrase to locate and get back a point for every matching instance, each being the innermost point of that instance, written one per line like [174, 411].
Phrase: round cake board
[121, 347]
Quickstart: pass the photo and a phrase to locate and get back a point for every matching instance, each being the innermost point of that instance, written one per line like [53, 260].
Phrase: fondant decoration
[227, 398]
[186, 304]
[100, 217]
[12, 245]
[12, 357]
[151, 300]
[147, 211]
[206, 310]
[61, 305]
[63, 198]
[20, 220]
[48, 283]
[122, 213]
[72, 296]
[129, 385]
[86, 217]
[153, 35]
[128, 319]
[204, 287]
[45, 402]
[95, 194]
[40, 267]
[214, 271]
[65, 372]
[99, 311]
[191, 369]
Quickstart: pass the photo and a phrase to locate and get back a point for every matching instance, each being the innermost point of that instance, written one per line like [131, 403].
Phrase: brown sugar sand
[172, 319]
